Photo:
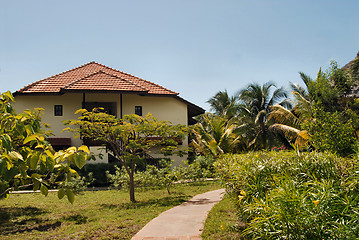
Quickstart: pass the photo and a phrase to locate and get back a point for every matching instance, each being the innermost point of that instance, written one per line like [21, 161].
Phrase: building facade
[96, 85]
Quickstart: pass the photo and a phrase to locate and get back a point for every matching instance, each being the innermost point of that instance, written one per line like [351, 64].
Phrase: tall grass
[285, 195]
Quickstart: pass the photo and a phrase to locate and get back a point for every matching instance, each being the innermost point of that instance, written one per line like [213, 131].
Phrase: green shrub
[201, 168]
[283, 195]
[333, 131]
[98, 171]
[152, 177]
[78, 184]
[163, 174]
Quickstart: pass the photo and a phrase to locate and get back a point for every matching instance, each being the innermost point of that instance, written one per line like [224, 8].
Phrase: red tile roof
[94, 77]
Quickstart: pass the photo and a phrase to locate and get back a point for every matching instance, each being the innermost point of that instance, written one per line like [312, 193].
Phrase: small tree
[27, 159]
[130, 139]
[334, 131]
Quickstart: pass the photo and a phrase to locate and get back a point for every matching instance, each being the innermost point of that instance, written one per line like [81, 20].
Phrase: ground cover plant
[287, 195]
[222, 222]
[94, 215]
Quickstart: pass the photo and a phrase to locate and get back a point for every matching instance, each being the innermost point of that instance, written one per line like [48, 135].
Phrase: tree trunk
[132, 186]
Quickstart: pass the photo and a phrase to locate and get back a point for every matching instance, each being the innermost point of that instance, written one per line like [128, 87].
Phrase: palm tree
[224, 105]
[215, 135]
[256, 102]
[288, 121]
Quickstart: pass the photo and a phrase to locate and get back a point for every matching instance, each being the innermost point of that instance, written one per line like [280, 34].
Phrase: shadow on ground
[23, 219]
[163, 202]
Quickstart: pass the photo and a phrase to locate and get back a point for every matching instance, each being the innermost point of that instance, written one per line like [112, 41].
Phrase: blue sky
[194, 47]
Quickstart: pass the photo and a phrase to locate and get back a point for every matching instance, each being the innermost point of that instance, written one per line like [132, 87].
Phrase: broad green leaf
[84, 148]
[7, 174]
[61, 193]
[70, 196]
[34, 161]
[30, 138]
[43, 168]
[36, 184]
[80, 160]
[71, 158]
[44, 190]
[50, 163]
[6, 141]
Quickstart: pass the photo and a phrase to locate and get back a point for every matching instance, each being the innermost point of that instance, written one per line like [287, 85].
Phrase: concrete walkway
[184, 222]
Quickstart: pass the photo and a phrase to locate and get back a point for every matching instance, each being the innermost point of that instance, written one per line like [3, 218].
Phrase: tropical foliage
[283, 195]
[262, 117]
[215, 135]
[27, 159]
[256, 102]
[224, 105]
[239, 123]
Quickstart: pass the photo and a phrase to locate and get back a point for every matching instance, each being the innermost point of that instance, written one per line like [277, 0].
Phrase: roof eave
[36, 93]
[100, 91]
[193, 108]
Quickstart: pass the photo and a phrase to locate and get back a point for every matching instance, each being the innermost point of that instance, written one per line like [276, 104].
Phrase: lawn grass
[94, 215]
[222, 223]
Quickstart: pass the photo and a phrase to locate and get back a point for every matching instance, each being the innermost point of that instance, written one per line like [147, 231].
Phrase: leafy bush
[152, 177]
[78, 184]
[164, 175]
[98, 171]
[333, 132]
[283, 195]
[201, 168]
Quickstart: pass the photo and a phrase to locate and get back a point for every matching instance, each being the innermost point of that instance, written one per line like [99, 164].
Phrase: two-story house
[95, 85]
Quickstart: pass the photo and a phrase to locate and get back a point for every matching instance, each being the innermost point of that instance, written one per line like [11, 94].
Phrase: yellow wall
[163, 108]
[70, 102]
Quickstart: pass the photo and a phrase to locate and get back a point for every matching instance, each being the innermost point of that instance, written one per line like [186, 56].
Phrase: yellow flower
[243, 192]
[316, 202]
[240, 197]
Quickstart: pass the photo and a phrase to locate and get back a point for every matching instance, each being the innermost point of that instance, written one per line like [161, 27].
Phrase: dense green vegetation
[286, 195]
[308, 192]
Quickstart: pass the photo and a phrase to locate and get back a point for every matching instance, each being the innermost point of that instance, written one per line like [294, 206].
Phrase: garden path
[183, 222]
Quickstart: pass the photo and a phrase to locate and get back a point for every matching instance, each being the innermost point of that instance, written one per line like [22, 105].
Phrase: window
[138, 110]
[58, 110]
